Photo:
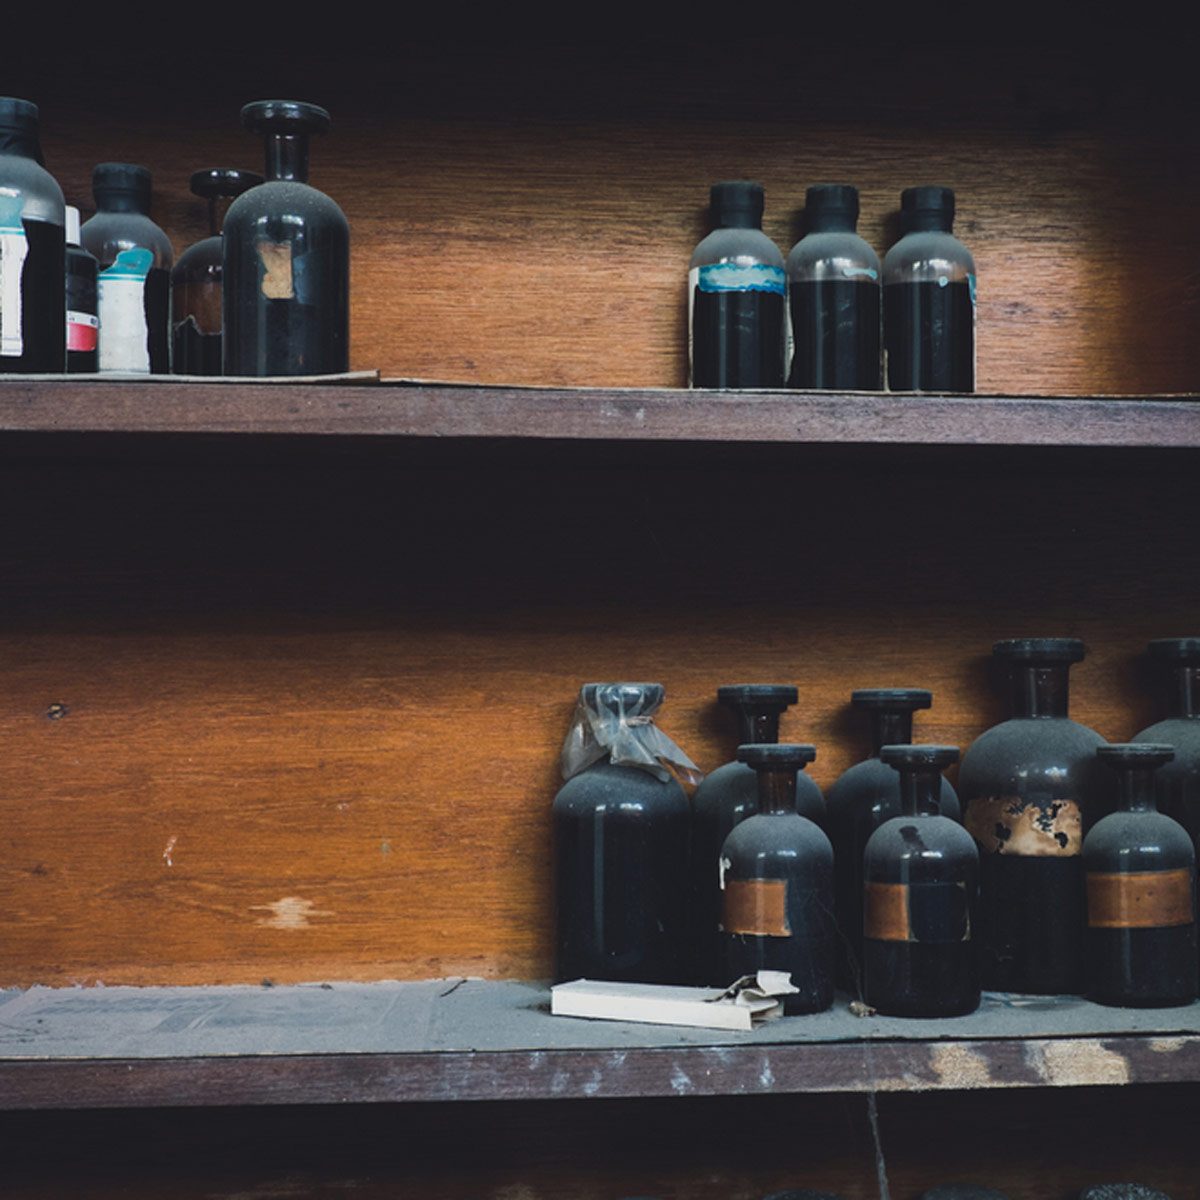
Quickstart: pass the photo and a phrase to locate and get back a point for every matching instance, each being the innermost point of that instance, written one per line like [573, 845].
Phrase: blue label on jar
[732, 277]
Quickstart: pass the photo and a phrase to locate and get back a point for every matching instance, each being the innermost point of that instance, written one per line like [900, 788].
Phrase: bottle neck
[758, 726]
[890, 728]
[830, 222]
[1040, 690]
[777, 790]
[927, 222]
[921, 791]
[738, 220]
[1184, 693]
[218, 206]
[287, 156]
[1137, 790]
[121, 202]
[21, 142]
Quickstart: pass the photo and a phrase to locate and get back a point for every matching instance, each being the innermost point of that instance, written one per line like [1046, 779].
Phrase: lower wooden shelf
[446, 1040]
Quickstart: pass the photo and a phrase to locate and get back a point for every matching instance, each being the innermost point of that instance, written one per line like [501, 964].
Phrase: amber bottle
[921, 882]
[1141, 892]
[777, 884]
[729, 795]
[862, 799]
[1031, 789]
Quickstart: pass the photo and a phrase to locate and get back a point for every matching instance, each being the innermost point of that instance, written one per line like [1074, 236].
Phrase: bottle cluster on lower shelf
[1050, 871]
[267, 293]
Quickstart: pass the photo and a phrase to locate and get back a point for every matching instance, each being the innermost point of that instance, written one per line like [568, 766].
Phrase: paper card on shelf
[745, 1003]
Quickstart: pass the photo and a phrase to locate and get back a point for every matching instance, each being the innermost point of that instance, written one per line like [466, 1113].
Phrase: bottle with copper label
[1031, 788]
[777, 884]
[32, 247]
[196, 277]
[135, 258]
[729, 795]
[1177, 783]
[83, 321]
[921, 882]
[621, 824]
[862, 799]
[286, 293]
[1141, 892]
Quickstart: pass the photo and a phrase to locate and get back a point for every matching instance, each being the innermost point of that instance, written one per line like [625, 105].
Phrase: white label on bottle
[124, 337]
[14, 249]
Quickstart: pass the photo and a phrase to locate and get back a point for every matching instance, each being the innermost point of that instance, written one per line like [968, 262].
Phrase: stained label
[756, 906]
[121, 296]
[1025, 828]
[1139, 899]
[885, 912]
[934, 913]
[277, 282]
[14, 250]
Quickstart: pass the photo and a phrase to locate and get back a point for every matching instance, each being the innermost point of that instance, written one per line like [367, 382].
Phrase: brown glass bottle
[921, 881]
[196, 277]
[1031, 788]
[1141, 892]
[777, 884]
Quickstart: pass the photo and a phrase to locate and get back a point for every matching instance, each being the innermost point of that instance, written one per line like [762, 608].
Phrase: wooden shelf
[424, 410]
[444, 1040]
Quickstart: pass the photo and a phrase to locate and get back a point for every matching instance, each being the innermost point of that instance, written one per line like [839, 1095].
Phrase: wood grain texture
[600, 414]
[523, 209]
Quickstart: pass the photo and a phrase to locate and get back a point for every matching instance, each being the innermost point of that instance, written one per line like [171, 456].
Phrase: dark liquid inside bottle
[930, 337]
[1148, 967]
[81, 301]
[157, 302]
[43, 301]
[737, 339]
[835, 323]
[196, 352]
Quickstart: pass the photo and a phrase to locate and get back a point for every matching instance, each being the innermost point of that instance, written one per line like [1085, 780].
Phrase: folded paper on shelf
[745, 1003]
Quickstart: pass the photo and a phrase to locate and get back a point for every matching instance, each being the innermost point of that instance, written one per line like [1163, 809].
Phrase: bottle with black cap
[737, 294]
[777, 884]
[32, 248]
[83, 323]
[135, 258]
[727, 796]
[920, 886]
[196, 277]
[834, 297]
[863, 798]
[1032, 787]
[287, 258]
[1141, 892]
[929, 299]
[1177, 783]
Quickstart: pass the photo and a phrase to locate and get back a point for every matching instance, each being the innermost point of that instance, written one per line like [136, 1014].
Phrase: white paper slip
[746, 1003]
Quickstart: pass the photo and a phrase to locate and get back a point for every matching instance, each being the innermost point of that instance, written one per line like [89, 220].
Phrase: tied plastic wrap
[616, 721]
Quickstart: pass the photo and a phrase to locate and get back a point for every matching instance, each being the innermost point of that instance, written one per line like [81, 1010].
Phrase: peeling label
[14, 250]
[121, 298]
[1025, 828]
[277, 281]
[733, 277]
[1139, 899]
[756, 906]
[885, 912]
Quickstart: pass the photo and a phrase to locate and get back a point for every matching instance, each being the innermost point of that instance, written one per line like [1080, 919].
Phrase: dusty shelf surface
[413, 409]
[479, 1040]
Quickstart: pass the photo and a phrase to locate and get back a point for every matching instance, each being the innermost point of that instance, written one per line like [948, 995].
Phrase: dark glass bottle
[32, 248]
[921, 884]
[1031, 789]
[834, 297]
[728, 795]
[83, 323]
[929, 299]
[196, 277]
[287, 258]
[737, 292]
[135, 258]
[621, 859]
[862, 799]
[777, 885]
[1177, 783]
[1141, 892]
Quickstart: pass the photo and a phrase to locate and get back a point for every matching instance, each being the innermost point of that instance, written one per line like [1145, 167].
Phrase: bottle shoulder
[301, 203]
[39, 192]
[818, 257]
[628, 791]
[769, 834]
[925, 836]
[1030, 740]
[198, 262]
[928, 256]
[745, 246]
[1138, 838]
[106, 234]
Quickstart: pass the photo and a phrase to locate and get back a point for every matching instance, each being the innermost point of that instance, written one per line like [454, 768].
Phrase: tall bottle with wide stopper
[286, 287]
[196, 277]
[727, 796]
[777, 884]
[863, 798]
[921, 881]
[1141, 892]
[1031, 789]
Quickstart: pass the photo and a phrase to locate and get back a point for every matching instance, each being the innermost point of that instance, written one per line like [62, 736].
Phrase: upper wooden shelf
[426, 410]
[475, 1040]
